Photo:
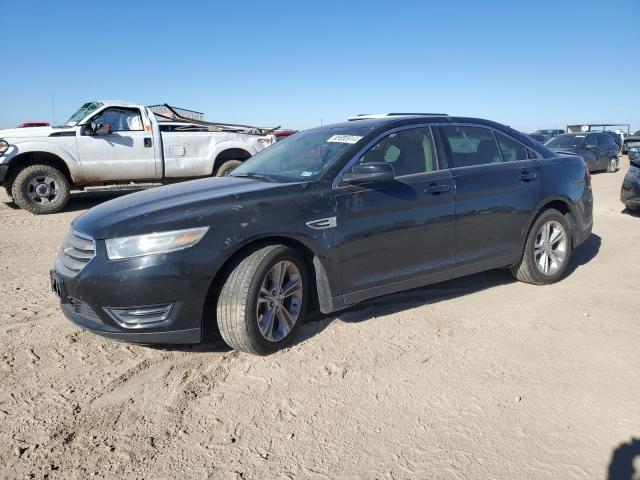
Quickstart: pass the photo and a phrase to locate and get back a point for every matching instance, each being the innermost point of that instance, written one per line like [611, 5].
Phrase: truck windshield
[82, 112]
[303, 156]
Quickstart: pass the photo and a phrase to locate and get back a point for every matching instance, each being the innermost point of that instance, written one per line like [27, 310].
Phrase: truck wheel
[613, 165]
[262, 302]
[227, 167]
[547, 251]
[41, 189]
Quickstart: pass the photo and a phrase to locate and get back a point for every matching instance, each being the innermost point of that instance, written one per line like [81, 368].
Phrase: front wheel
[262, 302]
[613, 165]
[547, 250]
[41, 189]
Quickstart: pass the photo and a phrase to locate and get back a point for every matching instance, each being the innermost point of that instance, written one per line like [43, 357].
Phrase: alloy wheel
[279, 301]
[550, 248]
[42, 189]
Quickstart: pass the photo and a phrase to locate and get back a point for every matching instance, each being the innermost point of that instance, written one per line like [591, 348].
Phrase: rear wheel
[547, 250]
[262, 302]
[227, 167]
[613, 165]
[41, 189]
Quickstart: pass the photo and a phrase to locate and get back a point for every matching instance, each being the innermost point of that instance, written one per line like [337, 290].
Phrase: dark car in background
[630, 192]
[631, 139]
[537, 137]
[597, 149]
[617, 138]
[548, 134]
[326, 218]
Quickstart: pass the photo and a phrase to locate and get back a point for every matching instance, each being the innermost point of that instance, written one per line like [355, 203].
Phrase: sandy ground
[478, 378]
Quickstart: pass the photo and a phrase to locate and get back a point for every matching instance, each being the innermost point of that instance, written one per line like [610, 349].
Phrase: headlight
[4, 146]
[153, 243]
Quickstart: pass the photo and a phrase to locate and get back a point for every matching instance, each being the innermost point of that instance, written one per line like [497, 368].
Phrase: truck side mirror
[101, 129]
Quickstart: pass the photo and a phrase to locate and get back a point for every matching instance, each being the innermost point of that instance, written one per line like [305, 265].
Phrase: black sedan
[325, 219]
[598, 149]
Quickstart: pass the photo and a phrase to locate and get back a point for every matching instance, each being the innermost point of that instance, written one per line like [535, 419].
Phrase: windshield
[303, 156]
[82, 112]
[566, 141]
[637, 134]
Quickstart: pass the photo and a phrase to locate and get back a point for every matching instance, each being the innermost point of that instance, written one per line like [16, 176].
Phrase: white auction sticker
[344, 139]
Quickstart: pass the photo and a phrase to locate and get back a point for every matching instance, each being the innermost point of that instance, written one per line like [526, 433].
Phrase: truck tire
[262, 302]
[547, 251]
[227, 167]
[41, 189]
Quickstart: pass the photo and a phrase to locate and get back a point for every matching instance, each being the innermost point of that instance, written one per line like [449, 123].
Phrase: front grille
[75, 253]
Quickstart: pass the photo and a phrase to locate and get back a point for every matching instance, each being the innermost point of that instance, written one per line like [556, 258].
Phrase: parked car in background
[598, 149]
[284, 133]
[633, 138]
[110, 142]
[630, 192]
[617, 138]
[330, 217]
[538, 137]
[548, 134]
[33, 124]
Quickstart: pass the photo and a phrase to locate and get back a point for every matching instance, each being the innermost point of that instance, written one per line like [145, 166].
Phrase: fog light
[141, 317]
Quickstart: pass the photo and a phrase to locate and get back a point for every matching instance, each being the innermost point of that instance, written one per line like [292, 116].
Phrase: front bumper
[179, 278]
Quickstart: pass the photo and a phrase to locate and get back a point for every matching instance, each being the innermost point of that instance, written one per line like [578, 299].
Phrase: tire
[529, 269]
[242, 320]
[612, 167]
[41, 189]
[227, 167]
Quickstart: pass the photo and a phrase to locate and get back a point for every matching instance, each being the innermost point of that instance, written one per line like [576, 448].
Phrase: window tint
[532, 154]
[604, 139]
[471, 146]
[409, 151]
[591, 140]
[511, 150]
[120, 119]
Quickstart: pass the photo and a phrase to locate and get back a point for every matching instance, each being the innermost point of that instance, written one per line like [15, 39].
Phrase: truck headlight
[153, 243]
[4, 146]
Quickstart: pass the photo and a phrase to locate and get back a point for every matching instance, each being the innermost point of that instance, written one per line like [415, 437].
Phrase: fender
[35, 146]
[220, 147]
[554, 198]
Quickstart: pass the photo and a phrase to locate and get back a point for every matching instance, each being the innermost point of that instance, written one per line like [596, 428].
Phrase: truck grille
[75, 253]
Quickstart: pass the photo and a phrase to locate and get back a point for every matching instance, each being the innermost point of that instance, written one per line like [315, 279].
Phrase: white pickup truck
[116, 143]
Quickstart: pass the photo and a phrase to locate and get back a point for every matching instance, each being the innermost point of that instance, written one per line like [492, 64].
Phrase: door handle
[147, 142]
[436, 188]
[527, 176]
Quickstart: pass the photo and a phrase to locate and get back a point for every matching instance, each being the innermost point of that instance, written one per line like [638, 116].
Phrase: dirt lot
[478, 378]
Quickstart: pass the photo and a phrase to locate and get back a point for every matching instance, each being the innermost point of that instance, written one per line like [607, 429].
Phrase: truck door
[117, 145]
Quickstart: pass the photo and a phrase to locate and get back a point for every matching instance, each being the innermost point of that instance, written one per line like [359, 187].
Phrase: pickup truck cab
[114, 142]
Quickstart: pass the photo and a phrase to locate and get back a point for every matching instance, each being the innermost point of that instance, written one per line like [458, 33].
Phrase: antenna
[53, 108]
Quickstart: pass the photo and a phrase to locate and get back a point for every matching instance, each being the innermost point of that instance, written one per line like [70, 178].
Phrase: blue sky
[526, 64]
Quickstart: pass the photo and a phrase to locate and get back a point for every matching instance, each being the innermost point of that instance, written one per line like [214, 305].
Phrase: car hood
[182, 205]
[30, 132]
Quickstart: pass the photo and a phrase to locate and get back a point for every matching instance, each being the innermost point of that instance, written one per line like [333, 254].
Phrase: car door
[497, 186]
[124, 153]
[607, 149]
[590, 152]
[397, 234]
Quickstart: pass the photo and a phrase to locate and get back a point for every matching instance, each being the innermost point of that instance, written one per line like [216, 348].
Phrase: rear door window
[470, 146]
[511, 150]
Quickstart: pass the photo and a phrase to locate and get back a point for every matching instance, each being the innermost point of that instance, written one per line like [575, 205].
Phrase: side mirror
[377, 172]
[101, 129]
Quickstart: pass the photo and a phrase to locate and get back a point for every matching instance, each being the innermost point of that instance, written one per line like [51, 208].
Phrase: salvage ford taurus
[327, 218]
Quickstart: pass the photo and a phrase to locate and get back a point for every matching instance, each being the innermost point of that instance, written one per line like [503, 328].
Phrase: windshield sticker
[306, 174]
[344, 139]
